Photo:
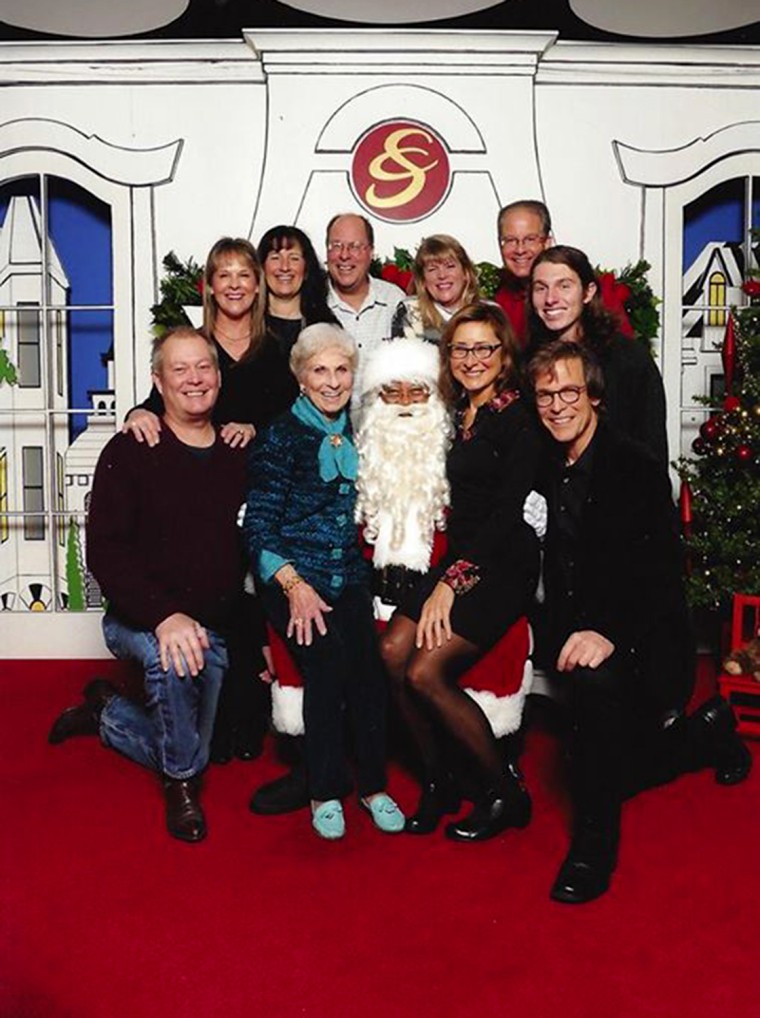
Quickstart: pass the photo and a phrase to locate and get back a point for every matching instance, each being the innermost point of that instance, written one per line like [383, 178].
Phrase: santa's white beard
[402, 486]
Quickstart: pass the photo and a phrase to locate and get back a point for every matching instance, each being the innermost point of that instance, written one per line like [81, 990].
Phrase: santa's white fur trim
[504, 713]
[287, 709]
[401, 360]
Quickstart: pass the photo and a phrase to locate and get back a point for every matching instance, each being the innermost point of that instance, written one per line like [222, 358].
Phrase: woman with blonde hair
[256, 385]
[445, 280]
[234, 300]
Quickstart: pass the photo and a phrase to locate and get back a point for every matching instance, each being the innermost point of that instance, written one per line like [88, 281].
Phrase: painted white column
[326, 90]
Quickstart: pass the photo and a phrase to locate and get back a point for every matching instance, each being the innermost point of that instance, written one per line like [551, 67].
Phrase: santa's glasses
[404, 393]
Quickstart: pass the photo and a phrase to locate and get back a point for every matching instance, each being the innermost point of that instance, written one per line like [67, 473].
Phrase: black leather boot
[439, 796]
[283, 795]
[713, 727]
[84, 719]
[506, 805]
[184, 816]
[588, 867]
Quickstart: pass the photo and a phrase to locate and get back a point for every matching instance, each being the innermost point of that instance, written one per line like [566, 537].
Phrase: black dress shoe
[84, 719]
[283, 795]
[588, 867]
[222, 747]
[248, 747]
[714, 726]
[439, 796]
[184, 816]
[507, 806]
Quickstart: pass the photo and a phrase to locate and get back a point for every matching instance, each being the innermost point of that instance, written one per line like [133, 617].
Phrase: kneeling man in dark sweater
[617, 632]
[163, 543]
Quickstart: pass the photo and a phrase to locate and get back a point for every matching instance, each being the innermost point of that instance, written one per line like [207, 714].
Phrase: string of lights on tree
[720, 486]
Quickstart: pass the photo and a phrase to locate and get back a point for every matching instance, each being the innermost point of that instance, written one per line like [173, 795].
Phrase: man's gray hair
[179, 332]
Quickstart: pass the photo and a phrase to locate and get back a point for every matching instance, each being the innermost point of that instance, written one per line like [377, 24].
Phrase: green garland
[182, 285]
[627, 291]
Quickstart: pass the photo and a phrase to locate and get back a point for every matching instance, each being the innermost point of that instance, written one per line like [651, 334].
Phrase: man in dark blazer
[616, 627]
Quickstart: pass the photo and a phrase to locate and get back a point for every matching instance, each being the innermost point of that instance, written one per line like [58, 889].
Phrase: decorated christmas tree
[720, 494]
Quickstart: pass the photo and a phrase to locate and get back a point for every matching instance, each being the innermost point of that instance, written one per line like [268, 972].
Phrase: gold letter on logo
[416, 175]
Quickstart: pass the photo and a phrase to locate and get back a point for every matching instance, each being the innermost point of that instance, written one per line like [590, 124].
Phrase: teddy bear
[745, 660]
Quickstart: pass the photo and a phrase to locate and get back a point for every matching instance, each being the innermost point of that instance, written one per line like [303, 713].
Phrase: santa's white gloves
[535, 513]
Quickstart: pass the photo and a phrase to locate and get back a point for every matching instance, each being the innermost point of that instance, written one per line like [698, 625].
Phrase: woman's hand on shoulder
[237, 435]
[143, 425]
[435, 618]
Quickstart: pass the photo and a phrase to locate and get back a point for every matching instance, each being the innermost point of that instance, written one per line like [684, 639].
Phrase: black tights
[425, 686]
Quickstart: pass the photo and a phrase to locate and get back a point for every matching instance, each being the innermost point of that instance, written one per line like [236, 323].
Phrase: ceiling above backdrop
[734, 22]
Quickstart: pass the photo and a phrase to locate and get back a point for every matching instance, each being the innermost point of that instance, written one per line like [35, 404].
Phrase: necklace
[233, 339]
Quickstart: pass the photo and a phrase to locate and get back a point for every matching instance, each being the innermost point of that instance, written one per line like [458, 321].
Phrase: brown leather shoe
[84, 719]
[184, 816]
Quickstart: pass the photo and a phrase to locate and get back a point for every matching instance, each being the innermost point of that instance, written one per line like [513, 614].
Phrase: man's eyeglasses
[354, 247]
[533, 240]
[408, 394]
[570, 394]
[481, 351]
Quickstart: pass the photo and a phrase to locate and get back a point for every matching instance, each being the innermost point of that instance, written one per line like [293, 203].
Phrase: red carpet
[105, 916]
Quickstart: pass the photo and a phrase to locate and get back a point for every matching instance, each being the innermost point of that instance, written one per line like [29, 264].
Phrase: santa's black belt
[393, 583]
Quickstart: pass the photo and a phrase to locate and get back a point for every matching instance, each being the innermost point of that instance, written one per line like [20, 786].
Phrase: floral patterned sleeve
[461, 576]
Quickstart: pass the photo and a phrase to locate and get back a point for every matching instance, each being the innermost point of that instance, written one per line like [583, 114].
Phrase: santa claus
[402, 490]
[402, 496]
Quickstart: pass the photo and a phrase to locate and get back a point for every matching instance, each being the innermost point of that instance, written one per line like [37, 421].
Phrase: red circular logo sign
[400, 171]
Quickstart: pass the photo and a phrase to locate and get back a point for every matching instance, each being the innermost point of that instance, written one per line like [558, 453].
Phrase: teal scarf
[337, 455]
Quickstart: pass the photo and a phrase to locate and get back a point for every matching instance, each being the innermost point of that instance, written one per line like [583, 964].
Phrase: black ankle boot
[507, 805]
[84, 719]
[439, 796]
[713, 729]
[588, 867]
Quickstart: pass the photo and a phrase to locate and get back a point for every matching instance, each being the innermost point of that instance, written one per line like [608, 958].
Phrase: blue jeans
[171, 733]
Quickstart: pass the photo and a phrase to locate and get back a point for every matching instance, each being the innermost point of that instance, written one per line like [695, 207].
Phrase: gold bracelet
[288, 585]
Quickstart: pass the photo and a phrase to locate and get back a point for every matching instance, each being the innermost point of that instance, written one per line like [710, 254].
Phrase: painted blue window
[77, 287]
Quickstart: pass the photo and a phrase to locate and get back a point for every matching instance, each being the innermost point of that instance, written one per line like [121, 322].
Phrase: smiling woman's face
[327, 379]
[476, 359]
[285, 270]
[234, 286]
[445, 280]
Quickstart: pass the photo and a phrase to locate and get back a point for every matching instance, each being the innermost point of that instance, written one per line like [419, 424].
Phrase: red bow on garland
[614, 295]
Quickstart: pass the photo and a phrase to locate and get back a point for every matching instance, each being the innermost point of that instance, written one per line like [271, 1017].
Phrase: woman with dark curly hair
[565, 303]
[485, 582]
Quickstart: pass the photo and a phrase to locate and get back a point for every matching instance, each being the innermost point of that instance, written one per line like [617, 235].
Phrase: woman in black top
[284, 277]
[484, 583]
[296, 297]
[565, 303]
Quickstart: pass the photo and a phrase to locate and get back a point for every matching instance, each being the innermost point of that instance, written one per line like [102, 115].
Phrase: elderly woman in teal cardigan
[314, 583]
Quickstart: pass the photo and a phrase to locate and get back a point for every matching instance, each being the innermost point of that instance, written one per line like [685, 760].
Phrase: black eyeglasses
[570, 394]
[481, 351]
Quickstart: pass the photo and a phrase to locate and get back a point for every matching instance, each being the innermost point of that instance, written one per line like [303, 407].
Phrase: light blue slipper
[328, 821]
[386, 815]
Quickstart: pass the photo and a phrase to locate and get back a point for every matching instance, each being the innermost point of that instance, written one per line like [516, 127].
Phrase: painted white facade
[34, 423]
[189, 141]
